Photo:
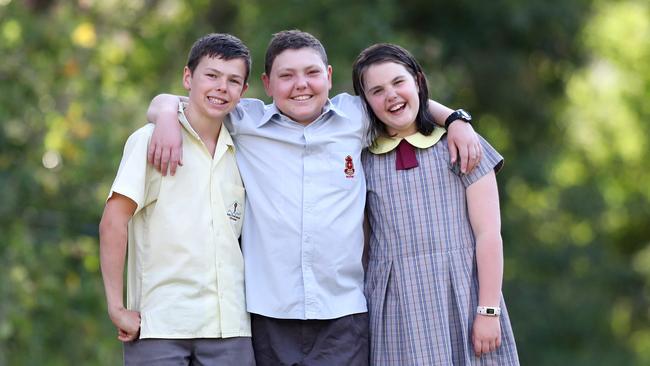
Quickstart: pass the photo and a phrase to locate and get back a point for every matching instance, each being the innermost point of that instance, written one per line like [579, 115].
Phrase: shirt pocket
[234, 199]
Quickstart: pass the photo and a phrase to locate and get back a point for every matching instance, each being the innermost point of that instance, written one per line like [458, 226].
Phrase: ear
[267, 84]
[243, 89]
[329, 77]
[187, 78]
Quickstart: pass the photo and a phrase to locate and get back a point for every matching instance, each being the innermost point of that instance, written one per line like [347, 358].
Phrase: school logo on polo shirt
[234, 212]
[349, 167]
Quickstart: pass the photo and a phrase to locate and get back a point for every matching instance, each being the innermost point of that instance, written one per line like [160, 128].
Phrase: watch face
[464, 115]
[490, 311]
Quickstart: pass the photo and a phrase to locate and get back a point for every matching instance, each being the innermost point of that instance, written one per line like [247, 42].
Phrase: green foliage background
[559, 87]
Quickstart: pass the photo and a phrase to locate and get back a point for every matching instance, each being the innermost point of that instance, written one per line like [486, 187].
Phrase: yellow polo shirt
[185, 266]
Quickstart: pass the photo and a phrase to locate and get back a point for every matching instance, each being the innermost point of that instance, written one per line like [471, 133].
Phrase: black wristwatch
[456, 115]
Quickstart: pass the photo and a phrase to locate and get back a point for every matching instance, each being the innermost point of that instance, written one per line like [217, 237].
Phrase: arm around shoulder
[165, 148]
[463, 140]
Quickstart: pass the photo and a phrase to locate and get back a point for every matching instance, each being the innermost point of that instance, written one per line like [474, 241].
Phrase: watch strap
[488, 310]
[458, 114]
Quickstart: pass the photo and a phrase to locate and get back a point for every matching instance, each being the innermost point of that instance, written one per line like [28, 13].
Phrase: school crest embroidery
[234, 212]
[349, 167]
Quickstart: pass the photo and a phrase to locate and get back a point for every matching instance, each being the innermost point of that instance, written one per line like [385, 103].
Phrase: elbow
[105, 225]
[109, 226]
[490, 241]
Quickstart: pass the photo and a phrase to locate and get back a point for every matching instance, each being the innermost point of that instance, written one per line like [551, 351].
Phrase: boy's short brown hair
[291, 40]
[220, 45]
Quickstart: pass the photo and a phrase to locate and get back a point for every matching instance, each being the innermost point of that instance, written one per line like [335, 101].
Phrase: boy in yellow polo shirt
[185, 282]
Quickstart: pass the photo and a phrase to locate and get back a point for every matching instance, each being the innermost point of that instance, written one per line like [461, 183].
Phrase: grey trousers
[195, 352]
[291, 342]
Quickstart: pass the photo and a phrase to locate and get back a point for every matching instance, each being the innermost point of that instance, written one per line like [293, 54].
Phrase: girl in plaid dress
[435, 267]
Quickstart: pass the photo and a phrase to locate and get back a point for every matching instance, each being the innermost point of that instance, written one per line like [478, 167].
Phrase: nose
[220, 84]
[301, 82]
[391, 94]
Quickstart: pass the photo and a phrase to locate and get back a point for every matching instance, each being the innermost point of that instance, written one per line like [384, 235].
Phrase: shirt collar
[273, 110]
[224, 135]
[384, 144]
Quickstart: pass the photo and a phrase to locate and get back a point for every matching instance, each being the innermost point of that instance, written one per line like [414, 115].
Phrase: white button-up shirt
[302, 237]
[185, 267]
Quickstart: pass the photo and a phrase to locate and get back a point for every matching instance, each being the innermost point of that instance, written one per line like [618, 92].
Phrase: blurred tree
[558, 87]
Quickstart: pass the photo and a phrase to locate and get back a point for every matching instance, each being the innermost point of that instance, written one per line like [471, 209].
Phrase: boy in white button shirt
[303, 238]
[185, 282]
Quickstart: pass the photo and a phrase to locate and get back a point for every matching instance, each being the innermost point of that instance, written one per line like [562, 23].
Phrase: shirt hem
[329, 316]
[198, 335]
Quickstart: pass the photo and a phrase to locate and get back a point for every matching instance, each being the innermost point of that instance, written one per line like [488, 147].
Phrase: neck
[401, 133]
[304, 123]
[207, 128]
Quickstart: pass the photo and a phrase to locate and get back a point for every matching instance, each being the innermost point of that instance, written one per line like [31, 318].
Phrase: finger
[453, 151]
[173, 162]
[485, 347]
[473, 158]
[464, 154]
[498, 342]
[121, 335]
[164, 162]
[180, 157]
[492, 345]
[172, 167]
[150, 152]
[156, 158]
[477, 346]
[125, 338]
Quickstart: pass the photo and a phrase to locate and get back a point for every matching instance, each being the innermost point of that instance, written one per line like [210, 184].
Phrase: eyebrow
[292, 69]
[392, 81]
[219, 72]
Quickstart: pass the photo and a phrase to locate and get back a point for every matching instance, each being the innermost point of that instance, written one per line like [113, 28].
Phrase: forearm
[113, 233]
[162, 104]
[485, 218]
[112, 253]
[489, 260]
[439, 112]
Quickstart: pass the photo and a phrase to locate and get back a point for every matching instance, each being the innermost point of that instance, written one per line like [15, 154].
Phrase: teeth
[301, 97]
[396, 107]
[214, 100]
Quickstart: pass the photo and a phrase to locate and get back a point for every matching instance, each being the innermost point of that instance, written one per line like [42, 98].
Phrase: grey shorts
[197, 351]
[342, 341]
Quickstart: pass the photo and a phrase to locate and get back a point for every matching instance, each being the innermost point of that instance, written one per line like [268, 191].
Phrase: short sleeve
[355, 109]
[135, 179]
[247, 111]
[491, 160]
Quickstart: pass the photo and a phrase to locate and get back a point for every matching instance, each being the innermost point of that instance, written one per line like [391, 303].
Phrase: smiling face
[392, 94]
[215, 86]
[299, 83]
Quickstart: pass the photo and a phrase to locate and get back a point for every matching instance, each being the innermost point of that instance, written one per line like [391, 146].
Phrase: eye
[314, 72]
[211, 76]
[399, 81]
[284, 76]
[235, 81]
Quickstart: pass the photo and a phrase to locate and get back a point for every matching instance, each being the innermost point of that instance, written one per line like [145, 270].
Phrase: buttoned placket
[309, 219]
[218, 209]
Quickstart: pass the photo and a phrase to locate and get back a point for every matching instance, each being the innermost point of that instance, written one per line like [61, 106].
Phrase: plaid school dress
[421, 282]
